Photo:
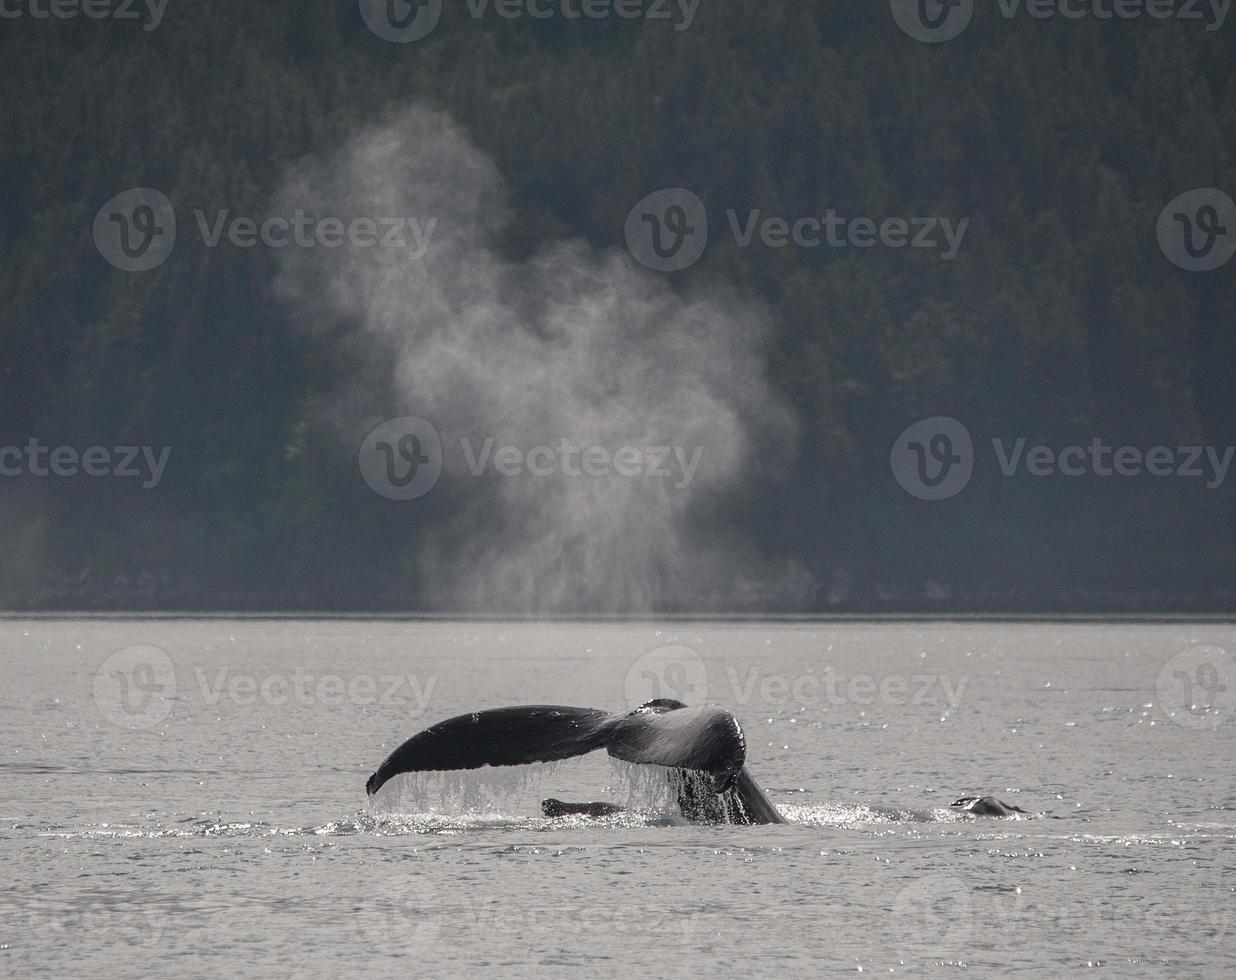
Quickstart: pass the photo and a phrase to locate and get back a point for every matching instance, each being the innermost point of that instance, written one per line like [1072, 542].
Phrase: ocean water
[186, 798]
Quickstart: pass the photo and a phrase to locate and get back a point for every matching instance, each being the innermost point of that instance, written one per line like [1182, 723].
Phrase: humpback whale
[986, 806]
[703, 750]
[556, 808]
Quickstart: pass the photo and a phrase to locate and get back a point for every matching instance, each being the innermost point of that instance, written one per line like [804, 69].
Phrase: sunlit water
[196, 807]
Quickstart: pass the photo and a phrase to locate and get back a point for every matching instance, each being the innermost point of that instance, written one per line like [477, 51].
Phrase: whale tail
[661, 732]
[498, 737]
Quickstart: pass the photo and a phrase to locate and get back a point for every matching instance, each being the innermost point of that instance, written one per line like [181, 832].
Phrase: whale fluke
[668, 733]
[661, 732]
[498, 737]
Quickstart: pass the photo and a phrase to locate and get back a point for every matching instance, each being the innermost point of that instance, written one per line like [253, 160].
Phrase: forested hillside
[1059, 320]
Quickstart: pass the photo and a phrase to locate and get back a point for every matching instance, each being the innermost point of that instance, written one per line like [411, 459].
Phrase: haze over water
[195, 806]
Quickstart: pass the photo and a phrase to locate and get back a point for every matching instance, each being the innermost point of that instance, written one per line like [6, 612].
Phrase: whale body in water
[986, 806]
[703, 749]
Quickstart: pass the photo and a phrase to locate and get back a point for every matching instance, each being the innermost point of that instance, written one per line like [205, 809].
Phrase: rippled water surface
[186, 798]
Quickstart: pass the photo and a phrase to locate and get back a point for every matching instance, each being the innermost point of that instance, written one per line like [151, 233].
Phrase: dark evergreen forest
[1060, 320]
